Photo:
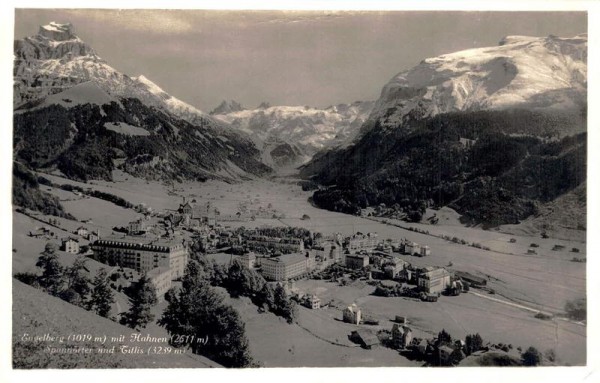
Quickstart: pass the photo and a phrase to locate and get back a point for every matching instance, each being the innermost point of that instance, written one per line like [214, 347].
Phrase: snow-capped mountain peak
[532, 72]
[57, 32]
[56, 59]
[310, 129]
[228, 107]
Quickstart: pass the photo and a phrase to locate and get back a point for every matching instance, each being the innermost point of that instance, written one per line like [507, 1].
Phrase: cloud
[293, 17]
[152, 21]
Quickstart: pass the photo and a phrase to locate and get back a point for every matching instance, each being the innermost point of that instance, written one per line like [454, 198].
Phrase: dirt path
[522, 307]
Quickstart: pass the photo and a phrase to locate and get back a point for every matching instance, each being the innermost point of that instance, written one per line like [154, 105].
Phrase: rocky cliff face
[56, 59]
[60, 83]
[227, 107]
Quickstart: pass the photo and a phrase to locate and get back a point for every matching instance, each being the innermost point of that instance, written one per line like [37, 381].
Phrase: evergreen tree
[194, 273]
[52, 271]
[456, 356]
[283, 306]
[444, 338]
[242, 281]
[576, 309]
[218, 276]
[198, 310]
[77, 283]
[102, 295]
[531, 357]
[266, 296]
[473, 343]
[143, 298]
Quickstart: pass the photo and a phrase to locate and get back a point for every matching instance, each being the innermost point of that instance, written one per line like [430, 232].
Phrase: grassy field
[276, 343]
[36, 313]
[461, 315]
[543, 281]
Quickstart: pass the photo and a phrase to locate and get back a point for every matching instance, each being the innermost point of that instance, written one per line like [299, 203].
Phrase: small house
[93, 237]
[401, 319]
[444, 353]
[401, 336]
[352, 314]
[81, 231]
[365, 338]
[312, 302]
[412, 248]
[70, 245]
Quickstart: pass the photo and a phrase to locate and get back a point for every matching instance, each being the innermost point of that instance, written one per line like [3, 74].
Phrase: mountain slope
[87, 141]
[525, 72]
[76, 112]
[486, 131]
[36, 313]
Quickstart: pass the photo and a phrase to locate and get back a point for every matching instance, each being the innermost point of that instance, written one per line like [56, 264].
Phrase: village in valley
[330, 277]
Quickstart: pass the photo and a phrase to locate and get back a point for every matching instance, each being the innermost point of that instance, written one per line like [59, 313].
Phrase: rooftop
[369, 337]
[288, 259]
[435, 273]
[149, 240]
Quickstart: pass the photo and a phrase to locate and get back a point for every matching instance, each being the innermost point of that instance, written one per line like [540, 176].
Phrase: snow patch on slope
[532, 72]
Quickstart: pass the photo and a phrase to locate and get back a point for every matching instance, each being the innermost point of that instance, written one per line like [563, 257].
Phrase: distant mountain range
[493, 132]
[291, 135]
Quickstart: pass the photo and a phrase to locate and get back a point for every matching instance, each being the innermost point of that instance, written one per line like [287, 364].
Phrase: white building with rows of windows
[287, 266]
[142, 253]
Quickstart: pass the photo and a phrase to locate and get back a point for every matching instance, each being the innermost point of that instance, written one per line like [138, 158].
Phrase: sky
[317, 58]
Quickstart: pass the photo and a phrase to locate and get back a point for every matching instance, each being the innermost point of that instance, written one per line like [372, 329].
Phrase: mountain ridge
[527, 72]
[68, 103]
[487, 130]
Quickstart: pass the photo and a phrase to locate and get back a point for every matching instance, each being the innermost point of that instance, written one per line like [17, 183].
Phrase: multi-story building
[327, 251]
[81, 231]
[138, 226]
[312, 302]
[352, 314]
[160, 277]
[434, 280]
[412, 248]
[287, 266]
[142, 253]
[359, 242]
[93, 237]
[248, 260]
[394, 266]
[70, 245]
[357, 261]
[401, 336]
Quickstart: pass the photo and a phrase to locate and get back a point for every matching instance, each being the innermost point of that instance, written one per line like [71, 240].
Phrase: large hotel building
[287, 266]
[142, 254]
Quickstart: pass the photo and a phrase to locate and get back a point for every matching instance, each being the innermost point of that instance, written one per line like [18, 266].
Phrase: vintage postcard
[299, 188]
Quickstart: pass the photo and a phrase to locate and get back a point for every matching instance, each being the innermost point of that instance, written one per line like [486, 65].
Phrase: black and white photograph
[253, 189]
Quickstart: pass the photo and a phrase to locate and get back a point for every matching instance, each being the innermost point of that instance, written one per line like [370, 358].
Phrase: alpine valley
[443, 224]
